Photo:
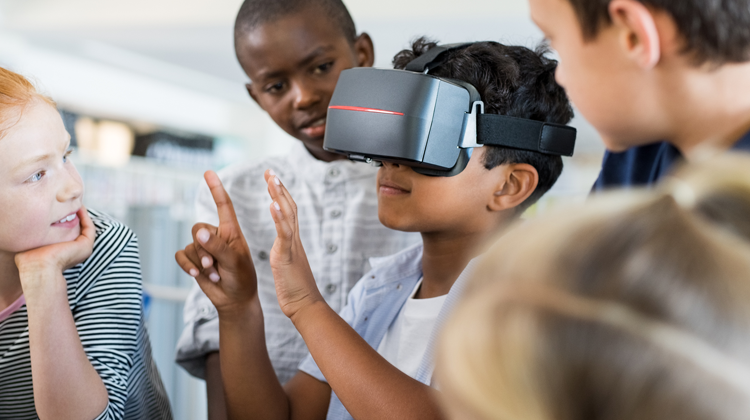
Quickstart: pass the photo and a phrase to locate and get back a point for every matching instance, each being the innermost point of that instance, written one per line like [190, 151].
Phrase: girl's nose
[72, 188]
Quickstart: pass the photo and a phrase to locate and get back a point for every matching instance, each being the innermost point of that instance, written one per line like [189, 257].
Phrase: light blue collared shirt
[375, 302]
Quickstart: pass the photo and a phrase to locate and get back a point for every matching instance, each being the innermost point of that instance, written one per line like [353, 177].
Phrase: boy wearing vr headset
[374, 360]
[646, 70]
[293, 52]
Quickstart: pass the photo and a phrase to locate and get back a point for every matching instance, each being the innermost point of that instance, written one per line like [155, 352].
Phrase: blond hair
[635, 306]
[16, 93]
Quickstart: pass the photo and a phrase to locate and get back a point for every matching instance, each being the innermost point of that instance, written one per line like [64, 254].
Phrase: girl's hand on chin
[295, 285]
[57, 258]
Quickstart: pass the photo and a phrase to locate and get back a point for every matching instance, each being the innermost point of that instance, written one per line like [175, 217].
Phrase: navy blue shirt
[645, 165]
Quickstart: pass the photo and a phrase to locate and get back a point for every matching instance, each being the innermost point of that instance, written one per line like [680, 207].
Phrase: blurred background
[152, 95]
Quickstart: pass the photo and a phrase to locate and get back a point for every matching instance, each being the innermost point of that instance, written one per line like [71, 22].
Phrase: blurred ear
[365, 50]
[518, 183]
[638, 33]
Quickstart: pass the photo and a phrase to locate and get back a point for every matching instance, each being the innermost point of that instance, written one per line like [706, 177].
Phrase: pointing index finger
[223, 203]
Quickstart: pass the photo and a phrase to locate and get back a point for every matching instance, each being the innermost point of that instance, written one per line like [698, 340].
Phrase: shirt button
[332, 248]
[263, 255]
[398, 287]
[334, 172]
[335, 214]
[331, 288]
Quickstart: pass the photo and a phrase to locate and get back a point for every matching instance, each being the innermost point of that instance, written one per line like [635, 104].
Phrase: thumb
[88, 230]
[213, 244]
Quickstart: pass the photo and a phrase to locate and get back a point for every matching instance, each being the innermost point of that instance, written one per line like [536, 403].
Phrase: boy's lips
[68, 221]
[315, 129]
[388, 187]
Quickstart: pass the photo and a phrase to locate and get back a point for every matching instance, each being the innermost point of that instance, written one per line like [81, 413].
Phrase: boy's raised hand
[295, 284]
[219, 257]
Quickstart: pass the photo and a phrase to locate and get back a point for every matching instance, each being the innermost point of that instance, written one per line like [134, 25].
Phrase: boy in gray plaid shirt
[293, 52]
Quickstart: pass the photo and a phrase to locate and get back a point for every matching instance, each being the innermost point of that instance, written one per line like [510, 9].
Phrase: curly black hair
[513, 81]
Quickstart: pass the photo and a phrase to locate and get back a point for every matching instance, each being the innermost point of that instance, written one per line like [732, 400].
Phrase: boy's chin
[312, 142]
[396, 223]
[618, 144]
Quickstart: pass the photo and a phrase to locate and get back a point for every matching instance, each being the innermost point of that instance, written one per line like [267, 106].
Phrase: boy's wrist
[309, 313]
[240, 313]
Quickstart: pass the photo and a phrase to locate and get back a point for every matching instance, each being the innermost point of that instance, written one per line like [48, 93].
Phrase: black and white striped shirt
[104, 293]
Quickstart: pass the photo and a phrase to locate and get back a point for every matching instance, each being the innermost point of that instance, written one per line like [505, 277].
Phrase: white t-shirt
[405, 342]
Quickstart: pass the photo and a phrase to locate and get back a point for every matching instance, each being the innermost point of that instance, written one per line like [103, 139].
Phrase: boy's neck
[444, 258]
[712, 111]
[10, 282]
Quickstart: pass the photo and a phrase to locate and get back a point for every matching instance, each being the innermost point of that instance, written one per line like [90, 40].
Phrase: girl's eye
[37, 176]
[323, 68]
[67, 155]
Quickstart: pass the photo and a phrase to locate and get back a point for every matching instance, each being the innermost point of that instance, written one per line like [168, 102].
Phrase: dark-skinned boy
[293, 52]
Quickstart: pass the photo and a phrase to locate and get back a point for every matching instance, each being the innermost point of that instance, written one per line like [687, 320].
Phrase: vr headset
[430, 123]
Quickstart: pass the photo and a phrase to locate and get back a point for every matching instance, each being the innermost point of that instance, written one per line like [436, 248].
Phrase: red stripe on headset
[361, 109]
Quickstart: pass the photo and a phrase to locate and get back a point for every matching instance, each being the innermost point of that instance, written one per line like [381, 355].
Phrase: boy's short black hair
[715, 31]
[257, 12]
[513, 81]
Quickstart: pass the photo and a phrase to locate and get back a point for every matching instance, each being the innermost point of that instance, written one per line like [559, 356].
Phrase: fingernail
[206, 262]
[271, 172]
[214, 277]
[276, 180]
[193, 272]
[276, 206]
[203, 235]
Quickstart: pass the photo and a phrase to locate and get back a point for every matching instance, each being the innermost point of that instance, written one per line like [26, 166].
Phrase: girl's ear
[365, 50]
[518, 184]
[638, 34]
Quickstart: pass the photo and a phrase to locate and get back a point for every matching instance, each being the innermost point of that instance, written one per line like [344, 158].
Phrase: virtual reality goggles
[429, 123]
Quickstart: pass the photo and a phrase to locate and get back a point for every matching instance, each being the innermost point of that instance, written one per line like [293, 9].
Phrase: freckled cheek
[24, 225]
